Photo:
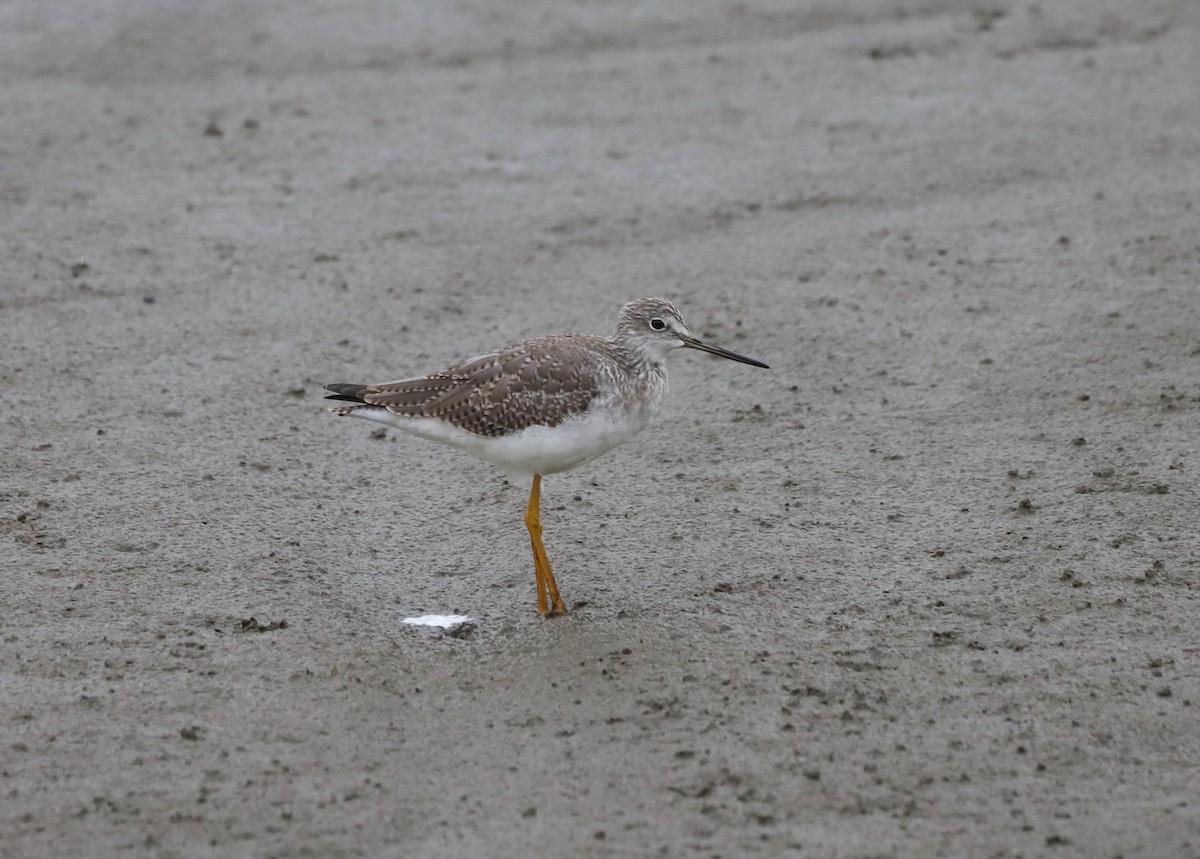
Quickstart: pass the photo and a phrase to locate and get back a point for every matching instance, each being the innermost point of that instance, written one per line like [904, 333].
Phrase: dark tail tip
[345, 391]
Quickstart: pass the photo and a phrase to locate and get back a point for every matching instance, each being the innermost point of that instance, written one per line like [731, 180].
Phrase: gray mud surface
[926, 588]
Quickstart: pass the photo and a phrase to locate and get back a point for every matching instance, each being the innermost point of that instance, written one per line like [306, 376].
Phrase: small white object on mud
[443, 621]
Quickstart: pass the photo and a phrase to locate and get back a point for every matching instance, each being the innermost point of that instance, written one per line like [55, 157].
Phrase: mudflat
[928, 587]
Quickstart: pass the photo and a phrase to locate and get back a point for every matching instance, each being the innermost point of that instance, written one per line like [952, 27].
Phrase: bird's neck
[645, 356]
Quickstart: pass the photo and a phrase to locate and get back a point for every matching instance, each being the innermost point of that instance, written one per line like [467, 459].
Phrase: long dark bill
[693, 343]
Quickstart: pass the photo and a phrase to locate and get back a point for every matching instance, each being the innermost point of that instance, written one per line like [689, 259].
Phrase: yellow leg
[541, 564]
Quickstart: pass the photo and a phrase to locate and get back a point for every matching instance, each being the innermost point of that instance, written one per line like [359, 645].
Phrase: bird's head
[655, 327]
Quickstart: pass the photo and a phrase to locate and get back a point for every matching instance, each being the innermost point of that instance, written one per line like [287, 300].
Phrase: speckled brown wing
[537, 382]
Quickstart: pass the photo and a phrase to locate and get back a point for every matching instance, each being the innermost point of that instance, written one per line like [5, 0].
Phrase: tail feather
[345, 391]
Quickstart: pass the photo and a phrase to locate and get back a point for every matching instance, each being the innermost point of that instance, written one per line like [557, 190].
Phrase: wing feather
[537, 382]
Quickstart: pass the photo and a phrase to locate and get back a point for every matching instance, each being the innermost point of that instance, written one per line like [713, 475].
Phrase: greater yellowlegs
[541, 406]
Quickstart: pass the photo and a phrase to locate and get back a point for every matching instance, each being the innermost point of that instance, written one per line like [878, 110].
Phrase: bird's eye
[657, 324]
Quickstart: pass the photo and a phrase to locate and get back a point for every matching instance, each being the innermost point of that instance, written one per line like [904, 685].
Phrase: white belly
[545, 450]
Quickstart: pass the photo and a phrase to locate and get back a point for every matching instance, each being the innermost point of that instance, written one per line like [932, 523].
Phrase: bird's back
[538, 382]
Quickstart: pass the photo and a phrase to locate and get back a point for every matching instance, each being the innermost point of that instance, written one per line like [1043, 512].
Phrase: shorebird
[541, 406]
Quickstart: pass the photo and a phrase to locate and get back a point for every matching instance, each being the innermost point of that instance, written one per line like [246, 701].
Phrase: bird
[541, 406]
